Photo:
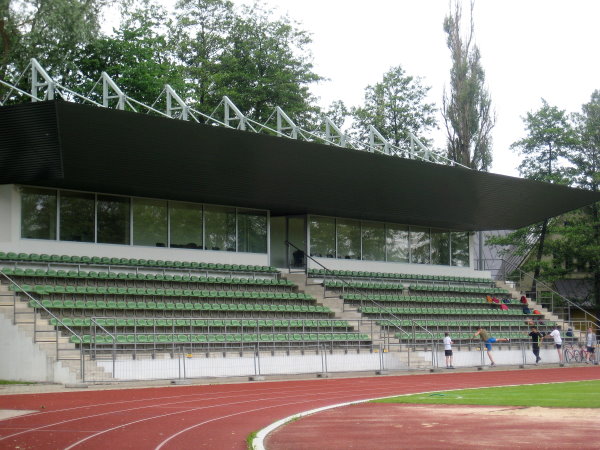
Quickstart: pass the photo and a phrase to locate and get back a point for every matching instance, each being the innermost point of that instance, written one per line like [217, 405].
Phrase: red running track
[216, 416]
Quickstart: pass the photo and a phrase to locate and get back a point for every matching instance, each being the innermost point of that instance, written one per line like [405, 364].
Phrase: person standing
[557, 343]
[448, 350]
[488, 341]
[536, 338]
[590, 343]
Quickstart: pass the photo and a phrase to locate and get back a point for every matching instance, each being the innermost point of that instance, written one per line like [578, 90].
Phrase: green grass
[581, 394]
[15, 382]
[250, 438]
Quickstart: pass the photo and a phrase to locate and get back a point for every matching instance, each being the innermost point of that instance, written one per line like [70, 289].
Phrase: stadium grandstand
[136, 246]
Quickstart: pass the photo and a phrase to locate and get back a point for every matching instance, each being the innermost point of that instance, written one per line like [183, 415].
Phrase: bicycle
[571, 353]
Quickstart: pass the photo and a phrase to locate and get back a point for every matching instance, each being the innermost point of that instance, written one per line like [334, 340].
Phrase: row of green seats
[412, 299]
[398, 276]
[202, 323]
[436, 311]
[456, 323]
[105, 260]
[160, 306]
[132, 291]
[217, 338]
[455, 336]
[361, 285]
[466, 289]
[133, 276]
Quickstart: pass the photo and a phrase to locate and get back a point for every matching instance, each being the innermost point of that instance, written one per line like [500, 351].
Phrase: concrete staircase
[548, 315]
[355, 318]
[59, 352]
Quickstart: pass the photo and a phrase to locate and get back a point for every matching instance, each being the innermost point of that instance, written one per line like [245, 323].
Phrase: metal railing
[347, 287]
[544, 294]
[18, 290]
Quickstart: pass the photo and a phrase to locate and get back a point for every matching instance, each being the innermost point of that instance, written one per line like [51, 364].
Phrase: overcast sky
[530, 48]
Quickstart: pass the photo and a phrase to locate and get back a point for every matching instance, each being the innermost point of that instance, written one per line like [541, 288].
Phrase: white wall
[22, 360]
[392, 267]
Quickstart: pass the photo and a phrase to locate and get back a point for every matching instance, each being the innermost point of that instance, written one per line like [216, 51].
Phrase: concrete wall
[391, 267]
[22, 360]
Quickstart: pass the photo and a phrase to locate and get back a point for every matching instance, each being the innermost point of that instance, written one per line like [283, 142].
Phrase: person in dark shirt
[536, 338]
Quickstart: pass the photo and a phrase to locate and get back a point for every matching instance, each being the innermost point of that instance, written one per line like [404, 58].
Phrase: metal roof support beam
[374, 137]
[414, 140]
[183, 107]
[332, 132]
[230, 107]
[291, 126]
[37, 72]
[109, 85]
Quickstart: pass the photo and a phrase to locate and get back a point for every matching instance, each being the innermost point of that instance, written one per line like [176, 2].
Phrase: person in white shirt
[590, 343]
[557, 343]
[448, 351]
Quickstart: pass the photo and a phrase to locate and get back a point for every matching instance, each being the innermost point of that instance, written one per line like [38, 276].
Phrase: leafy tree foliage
[549, 137]
[467, 109]
[263, 66]
[138, 57]
[49, 30]
[200, 35]
[396, 107]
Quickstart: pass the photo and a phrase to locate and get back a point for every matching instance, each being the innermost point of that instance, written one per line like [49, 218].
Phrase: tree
[467, 109]
[397, 108]
[138, 57]
[200, 36]
[579, 236]
[265, 66]
[549, 137]
[49, 30]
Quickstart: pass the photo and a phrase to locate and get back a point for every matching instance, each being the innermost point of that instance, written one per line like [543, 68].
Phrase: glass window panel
[440, 247]
[149, 222]
[252, 231]
[38, 213]
[77, 210]
[113, 220]
[396, 241]
[419, 245]
[186, 225]
[348, 239]
[220, 228]
[322, 237]
[460, 249]
[373, 241]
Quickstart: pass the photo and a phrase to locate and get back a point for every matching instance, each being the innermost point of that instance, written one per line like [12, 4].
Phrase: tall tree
[580, 236]
[266, 64]
[137, 56]
[397, 107]
[201, 34]
[549, 137]
[467, 108]
[49, 30]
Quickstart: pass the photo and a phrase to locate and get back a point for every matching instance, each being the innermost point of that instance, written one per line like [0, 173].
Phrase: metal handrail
[385, 308]
[523, 274]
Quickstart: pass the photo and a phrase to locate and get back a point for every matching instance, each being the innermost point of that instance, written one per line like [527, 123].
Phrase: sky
[531, 49]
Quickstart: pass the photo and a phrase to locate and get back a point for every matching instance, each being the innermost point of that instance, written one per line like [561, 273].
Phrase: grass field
[581, 394]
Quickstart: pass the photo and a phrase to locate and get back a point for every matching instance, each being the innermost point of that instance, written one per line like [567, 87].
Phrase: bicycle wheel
[579, 356]
[569, 355]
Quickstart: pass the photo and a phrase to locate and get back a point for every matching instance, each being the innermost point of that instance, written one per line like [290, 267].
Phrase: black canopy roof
[72, 146]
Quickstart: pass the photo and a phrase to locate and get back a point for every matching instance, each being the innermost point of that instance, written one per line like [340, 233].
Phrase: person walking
[536, 338]
[557, 343]
[448, 350]
[590, 344]
[488, 341]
